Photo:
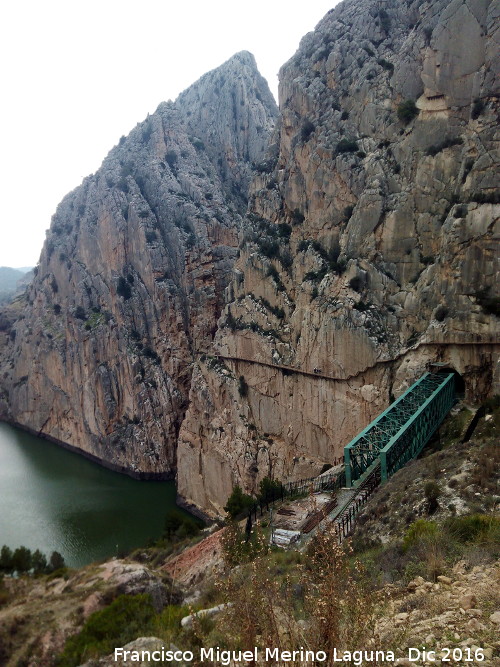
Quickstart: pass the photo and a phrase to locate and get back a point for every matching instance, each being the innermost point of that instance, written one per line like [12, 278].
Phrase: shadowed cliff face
[131, 277]
[371, 249]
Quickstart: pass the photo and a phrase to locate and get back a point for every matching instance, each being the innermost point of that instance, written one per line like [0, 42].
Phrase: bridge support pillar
[347, 464]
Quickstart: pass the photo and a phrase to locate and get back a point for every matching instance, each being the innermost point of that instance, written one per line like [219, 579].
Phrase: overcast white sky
[77, 75]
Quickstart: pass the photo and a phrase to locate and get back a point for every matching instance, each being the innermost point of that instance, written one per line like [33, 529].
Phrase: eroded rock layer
[131, 278]
[371, 250]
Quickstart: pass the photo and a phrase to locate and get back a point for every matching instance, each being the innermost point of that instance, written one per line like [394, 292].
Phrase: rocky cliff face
[371, 249]
[131, 278]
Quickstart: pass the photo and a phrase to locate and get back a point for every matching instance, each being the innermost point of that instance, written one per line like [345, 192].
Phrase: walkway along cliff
[369, 251]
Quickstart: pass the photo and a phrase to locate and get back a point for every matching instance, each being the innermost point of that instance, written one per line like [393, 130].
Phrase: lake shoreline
[141, 476]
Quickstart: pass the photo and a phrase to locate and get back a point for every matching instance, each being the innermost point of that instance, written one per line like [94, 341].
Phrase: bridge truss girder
[399, 433]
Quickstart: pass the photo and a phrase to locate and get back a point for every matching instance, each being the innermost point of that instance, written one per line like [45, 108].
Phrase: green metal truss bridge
[400, 432]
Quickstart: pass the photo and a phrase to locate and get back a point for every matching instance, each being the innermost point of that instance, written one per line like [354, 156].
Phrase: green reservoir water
[55, 500]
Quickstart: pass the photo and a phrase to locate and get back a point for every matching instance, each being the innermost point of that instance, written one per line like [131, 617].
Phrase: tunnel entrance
[459, 381]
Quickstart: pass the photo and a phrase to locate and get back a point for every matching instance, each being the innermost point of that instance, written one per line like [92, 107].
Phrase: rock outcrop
[371, 249]
[131, 277]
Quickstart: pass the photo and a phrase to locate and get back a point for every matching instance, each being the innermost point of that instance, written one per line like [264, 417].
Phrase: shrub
[385, 21]
[477, 109]
[386, 64]
[344, 115]
[180, 526]
[150, 354]
[147, 131]
[197, 143]
[80, 313]
[56, 562]
[126, 618]
[269, 248]
[21, 560]
[297, 217]
[348, 213]
[286, 259]
[347, 146]
[306, 130]
[432, 492]
[57, 309]
[485, 197]
[284, 231]
[475, 527]
[238, 502]
[123, 288]
[302, 246]
[355, 283]
[490, 304]
[315, 276]
[171, 159]
[6, 562]
[273, 273]
[447, 143]
[407, 111]
[242, 387]
[361, 306]
[421, 530]
[269, 490]
[441, 313]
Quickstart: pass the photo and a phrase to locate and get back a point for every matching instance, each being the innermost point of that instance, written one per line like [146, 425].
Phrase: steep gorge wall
[131, 278]
[371, 249]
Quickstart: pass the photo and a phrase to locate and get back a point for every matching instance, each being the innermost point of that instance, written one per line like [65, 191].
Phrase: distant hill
[9, 279]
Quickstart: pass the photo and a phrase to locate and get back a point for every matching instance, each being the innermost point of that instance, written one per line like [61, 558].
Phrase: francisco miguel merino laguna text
[271, 655]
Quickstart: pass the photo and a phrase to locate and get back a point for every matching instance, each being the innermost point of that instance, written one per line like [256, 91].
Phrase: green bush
[347, 146]
[286, 259]
[126, 618]
[6, 562]
[123, 288]
[238, 503]
[447, 143]
[420, 531]
[284, 231]
[475, 527]
[268, 248]
[432, 492]
[407, 111]
[385, 21]
[477, 109]
[242, 387]
[171, 159]
[386, 64]
[270, 490]
[179, 526]
[306, 130]
[489, 303]
[80, 313]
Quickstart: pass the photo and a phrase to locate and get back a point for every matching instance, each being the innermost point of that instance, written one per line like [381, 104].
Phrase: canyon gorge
[239, 290]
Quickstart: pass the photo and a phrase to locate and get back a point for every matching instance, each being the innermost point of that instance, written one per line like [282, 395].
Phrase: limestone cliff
[371, 248]
[130, 281]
